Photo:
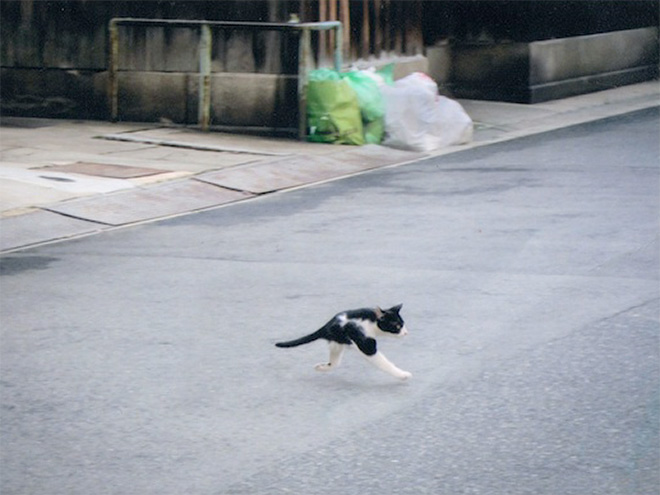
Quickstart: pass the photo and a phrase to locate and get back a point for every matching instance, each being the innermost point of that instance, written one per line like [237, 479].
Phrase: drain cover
[56, 179]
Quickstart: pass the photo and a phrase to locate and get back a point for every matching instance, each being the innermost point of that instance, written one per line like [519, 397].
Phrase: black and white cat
[359, 327]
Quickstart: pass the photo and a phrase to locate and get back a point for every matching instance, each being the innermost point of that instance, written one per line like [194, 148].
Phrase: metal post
[113, 67]
[338, 48]
[304, 54]
[204, 106]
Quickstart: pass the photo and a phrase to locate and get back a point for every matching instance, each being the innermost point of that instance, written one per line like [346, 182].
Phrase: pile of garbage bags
[369, 107]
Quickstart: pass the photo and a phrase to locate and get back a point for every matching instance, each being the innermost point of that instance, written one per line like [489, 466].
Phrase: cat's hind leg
[336, 353]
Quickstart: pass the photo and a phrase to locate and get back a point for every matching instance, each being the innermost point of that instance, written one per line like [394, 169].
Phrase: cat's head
[390, 321]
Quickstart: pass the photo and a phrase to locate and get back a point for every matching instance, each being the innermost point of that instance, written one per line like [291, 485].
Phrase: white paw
[323, 367]
[405, 375]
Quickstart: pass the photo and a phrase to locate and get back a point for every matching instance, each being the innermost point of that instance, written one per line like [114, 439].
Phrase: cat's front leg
[336, 353]
[384, 364]
[369, 349]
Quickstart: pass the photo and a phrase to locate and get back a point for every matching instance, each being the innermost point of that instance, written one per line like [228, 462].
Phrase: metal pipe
[276, 26]
[338, 48]
[304, 54]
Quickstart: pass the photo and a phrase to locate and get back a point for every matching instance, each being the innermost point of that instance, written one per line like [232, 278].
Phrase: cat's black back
[343, 326]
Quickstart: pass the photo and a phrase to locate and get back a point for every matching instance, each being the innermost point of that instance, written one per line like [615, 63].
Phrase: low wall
[54, 60]
[583, 64]
[545, 70]
[158, 84]
[243, 100]
[250, 101]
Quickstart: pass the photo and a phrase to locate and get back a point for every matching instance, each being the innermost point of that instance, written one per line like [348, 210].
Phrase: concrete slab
[40, 226]
[223, 140]
[619, 100]
[16, 194]
[504, 115]
[497, 121]
[69, 183]
[371, 156]
[144, 204]
[105, 170]
[173, 143]
[167, 159]
[177, 159]
[282, 173]
[66, 139]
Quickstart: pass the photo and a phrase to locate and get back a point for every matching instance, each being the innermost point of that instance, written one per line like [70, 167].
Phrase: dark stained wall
[532, 20]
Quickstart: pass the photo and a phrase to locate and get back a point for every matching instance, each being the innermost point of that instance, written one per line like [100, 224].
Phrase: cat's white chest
[369, 328]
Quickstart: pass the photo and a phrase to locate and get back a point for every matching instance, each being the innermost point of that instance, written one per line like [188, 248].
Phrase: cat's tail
[302, 340]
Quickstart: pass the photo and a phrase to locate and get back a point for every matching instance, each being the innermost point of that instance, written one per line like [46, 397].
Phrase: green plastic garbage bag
[370, 99]
[333, 113]
[387, 73]
[324, 75]
[374, 131]
[368, 93]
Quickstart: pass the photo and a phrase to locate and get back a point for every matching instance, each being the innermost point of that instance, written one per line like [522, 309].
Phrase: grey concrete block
[158, 49]
[153, 96]
[568, 58]
[260, 100]
[53, 93]
[439, 63]
[588, 84]
[551, 69]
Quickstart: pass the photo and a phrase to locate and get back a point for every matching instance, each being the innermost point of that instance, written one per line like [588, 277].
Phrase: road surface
[141, 361]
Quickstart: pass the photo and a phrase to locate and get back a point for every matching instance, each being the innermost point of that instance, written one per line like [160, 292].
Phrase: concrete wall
[587, 63]
[55, 54]
[245, 100]
[54, 59]
[544, 70]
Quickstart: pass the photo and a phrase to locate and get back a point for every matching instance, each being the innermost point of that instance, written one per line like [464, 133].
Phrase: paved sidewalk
[61, 179]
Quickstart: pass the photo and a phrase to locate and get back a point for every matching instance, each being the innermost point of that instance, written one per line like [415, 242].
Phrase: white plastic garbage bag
[418, 118]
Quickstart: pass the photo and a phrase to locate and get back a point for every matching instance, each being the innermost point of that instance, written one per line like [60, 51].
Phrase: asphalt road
[141, 361]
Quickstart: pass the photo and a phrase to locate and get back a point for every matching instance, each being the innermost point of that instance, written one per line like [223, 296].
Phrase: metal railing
[305, 58]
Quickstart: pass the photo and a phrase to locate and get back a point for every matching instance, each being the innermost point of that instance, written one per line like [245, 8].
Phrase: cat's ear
[395, 309]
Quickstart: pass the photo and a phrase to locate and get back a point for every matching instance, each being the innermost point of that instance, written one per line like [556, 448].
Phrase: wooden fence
[371, 27]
